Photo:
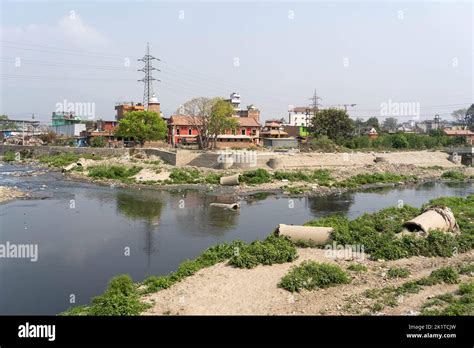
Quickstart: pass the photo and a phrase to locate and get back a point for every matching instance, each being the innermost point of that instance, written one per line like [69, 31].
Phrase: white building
[300, 116]
[69, 130]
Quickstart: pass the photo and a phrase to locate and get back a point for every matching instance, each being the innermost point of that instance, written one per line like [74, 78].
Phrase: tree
[459, 114]
[142, 126]
[373, 122]
[399, 141]
[390, 124]
[333, 123]
[221, 121]
[199, 111]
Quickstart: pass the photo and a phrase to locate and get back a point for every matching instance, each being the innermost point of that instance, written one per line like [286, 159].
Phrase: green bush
[363, 179]
[453, 175]
[399, 141]
[310, 275]
[273, 249]
[185, 176]
[398, 272]
[65, 158]
[255, 177]
[9, 156]
[323, 143]
[120, 298]
[98, 142]
[117, 172]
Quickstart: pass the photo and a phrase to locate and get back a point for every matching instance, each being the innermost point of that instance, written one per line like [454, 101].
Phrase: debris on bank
[10, 193]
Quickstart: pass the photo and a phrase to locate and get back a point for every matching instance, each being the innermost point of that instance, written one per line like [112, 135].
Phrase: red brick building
[182, 130]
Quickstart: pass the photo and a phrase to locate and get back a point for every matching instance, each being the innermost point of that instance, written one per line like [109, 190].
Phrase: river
[86, 233]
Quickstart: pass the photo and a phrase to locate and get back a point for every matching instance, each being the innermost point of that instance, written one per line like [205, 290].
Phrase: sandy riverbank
[225, 290]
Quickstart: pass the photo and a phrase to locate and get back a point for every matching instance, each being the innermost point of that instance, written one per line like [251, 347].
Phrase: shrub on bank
[117, 172]
[9, 156]
[255, 177]
[398, 272]
[378, 232]
[310, 275]
[65, 158]
[273, 249]
[453, 175]
[363, 179]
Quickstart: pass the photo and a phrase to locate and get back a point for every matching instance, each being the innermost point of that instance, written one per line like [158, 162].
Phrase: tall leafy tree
[221, 121]
[334, 123]
[390, 124]
[142, 126]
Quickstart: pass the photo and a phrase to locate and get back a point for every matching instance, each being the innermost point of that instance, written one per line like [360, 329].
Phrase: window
[243, 131]
[190, 131]
[177, 131]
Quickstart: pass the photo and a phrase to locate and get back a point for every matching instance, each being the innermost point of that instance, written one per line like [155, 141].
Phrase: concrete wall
[51, 150]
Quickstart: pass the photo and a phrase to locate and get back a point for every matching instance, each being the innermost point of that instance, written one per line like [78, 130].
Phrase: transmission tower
[148, 79]
[315, 104]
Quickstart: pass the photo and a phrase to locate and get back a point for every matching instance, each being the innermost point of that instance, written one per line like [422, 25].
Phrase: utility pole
[148, 79]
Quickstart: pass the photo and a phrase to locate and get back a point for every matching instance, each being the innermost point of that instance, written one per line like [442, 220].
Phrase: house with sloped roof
[183, 130]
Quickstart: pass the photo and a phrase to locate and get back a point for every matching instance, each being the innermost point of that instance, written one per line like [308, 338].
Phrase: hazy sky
[273, 53]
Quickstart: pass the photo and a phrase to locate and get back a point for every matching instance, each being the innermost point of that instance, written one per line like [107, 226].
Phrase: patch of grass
[273, 249]
[378, 232]
[459, 303]
[453, 175]
[310, 275]
[121, 298]
[363, 179]
[466, 269]
[357, 267]
[388, 296]
[116, 172]
[185, 176]
[9, 156]
[65, 158]
[320, 176]
[398, 272]
[255, 177]
[211, 256]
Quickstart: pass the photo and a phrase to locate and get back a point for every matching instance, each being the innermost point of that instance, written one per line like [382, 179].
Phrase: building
[277, 143]
[251, 111]
[64, 118]
[300, 116]
[154, 105]
[469, 135]
[299, 132]
[273, 129]
[122, 108]
[371, 132]
[182, 130]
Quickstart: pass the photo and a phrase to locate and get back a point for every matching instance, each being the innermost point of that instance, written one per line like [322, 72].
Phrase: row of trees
[334, 125]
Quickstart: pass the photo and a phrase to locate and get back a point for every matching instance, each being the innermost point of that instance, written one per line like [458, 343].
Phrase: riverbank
[10, 193]
[226, 290]
[141, 170]
[394, 273]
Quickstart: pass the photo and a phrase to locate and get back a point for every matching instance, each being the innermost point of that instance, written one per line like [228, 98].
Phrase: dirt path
[222, 289]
